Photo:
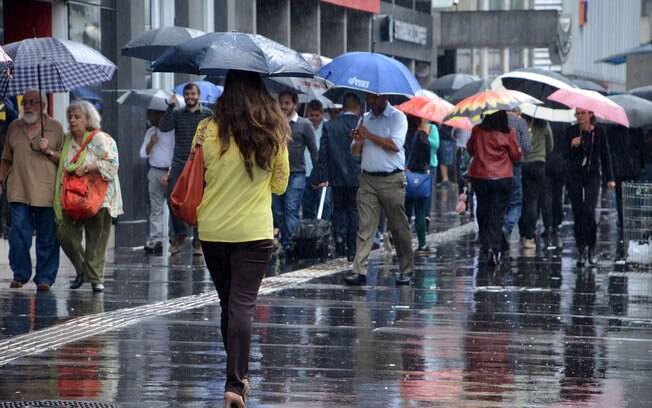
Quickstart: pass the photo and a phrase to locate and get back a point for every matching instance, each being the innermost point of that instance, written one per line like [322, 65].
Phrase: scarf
[70, 167]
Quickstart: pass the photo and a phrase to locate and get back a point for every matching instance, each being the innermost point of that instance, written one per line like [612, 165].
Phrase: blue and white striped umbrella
[53, 65]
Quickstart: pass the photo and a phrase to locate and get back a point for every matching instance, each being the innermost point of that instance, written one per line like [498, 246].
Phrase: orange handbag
[189, 188]
[82, 196]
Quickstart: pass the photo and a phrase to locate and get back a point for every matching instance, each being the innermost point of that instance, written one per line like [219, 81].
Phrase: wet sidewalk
[537, 332]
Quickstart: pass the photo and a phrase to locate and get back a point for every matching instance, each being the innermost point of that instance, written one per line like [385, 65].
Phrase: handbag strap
[84, 144]
[202, 135]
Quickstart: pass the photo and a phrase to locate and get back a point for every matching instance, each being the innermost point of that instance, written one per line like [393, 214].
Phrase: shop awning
[370, 6]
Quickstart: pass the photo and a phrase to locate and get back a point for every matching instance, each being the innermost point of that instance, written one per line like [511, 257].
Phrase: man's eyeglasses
[30, 102]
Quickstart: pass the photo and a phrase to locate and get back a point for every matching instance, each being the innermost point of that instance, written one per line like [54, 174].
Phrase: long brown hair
[248, 112]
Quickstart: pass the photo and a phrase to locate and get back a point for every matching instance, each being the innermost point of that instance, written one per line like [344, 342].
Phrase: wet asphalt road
[537, 332]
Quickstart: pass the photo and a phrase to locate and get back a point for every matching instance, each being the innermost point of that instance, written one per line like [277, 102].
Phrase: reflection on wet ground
[537, 332]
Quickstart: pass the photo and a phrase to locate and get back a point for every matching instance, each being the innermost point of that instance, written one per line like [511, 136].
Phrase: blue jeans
[286, 207]
[26, 219]
[515, 206]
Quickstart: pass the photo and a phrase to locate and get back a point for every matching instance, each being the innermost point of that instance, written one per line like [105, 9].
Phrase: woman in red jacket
[494, 149]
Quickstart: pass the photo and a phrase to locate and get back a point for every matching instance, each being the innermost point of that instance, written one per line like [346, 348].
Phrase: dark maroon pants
[237, 269]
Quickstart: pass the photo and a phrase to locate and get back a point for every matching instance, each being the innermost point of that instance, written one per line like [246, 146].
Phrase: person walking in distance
[587, 152]
[286, 206]
[379, 140]
[340, 170]
[245, 148]
[184, 123]
[158, 149]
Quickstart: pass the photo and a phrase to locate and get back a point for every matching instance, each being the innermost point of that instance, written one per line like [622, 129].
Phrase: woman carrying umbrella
[245, 150]
[494, 149]
[587, 152]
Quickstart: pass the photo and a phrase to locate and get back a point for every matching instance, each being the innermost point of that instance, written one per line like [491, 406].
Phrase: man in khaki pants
[379, 139]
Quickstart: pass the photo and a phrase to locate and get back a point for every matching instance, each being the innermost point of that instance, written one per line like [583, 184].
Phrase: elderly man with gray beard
[29, 165]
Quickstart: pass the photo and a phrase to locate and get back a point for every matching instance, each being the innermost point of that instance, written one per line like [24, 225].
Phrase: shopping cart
[637, 222]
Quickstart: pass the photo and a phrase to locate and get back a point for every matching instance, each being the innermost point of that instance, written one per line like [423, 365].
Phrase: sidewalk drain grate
[52, 403]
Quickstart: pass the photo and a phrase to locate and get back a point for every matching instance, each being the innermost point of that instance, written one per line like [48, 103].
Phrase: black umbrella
[644, 92]
[216, 53]
[589, 85]
[539, 84]
[446, 85]
[638, 110]
[153, 43]
[469, 89]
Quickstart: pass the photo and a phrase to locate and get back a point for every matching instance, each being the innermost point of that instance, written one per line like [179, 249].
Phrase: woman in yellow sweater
[245, 150]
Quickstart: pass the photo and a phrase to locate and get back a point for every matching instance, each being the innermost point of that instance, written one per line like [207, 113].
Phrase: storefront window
[84, 25]
[515, 58]
[464, 61]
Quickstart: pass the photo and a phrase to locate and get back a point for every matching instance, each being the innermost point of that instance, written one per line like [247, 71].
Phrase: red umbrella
[592, 101]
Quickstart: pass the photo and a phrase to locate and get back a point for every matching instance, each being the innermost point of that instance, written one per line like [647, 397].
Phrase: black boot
[77, 282]
[581, 257]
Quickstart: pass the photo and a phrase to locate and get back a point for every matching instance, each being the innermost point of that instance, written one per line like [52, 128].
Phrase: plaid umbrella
[53, 65]
[485, 103]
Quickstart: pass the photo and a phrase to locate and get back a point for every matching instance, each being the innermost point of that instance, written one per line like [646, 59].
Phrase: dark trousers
[345, 217]
[493, 198]
[237, 269]
[533, 183]
[420, 207]
[557, 183]
[25, 220]
[583, 195]
[545, 204]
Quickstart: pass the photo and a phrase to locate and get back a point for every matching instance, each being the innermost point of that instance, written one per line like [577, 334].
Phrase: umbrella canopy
[89, 94]
[621, 58]
[589, 85]
[216, 53]
[447, 85]
[370, 72]
[4, 58]
[644, 92]
[308, 89]
[485, 103]
[151, 99]
[53, 65]
[470, 89]
[539, 84]
[638, 110]
[600, 105]
[427, 105]
[153, 43]
[209, 93]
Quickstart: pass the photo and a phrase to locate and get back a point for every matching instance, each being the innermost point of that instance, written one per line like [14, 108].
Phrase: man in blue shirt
[379, 139]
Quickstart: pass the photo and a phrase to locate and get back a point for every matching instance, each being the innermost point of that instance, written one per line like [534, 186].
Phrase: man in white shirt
[158, 148]
[379, 139]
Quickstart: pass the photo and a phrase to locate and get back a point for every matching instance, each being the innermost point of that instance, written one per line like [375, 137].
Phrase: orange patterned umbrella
[427, 105]
[485, 103]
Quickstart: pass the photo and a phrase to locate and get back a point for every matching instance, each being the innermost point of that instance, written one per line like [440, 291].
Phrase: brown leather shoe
[16, 285]
[42, 287]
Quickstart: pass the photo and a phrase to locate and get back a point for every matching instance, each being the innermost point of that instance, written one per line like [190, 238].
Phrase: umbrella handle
[38, 70]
